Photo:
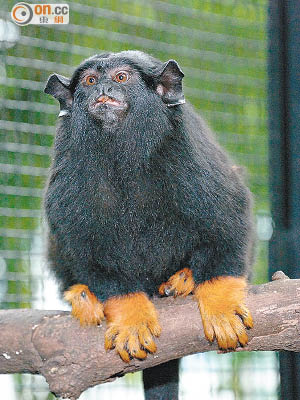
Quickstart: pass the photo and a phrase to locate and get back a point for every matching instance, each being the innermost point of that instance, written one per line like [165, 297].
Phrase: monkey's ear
[59, 87]
[170, 84]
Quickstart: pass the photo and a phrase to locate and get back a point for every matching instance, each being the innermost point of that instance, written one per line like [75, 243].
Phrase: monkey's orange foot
[132, 322]
[180, 284]
[85, 305]
[224, 315]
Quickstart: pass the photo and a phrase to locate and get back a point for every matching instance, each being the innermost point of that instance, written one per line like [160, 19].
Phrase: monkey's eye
[121, 77]
[90, 80]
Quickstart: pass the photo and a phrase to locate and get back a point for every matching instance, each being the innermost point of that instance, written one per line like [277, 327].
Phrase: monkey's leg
[132, 322]
[221, 302]
[180, 284]
[85, 305]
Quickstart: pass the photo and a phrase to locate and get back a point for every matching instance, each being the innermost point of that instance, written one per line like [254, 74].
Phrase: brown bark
[72, 358]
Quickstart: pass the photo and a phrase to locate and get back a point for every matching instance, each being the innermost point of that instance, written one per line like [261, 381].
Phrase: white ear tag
[63, 113]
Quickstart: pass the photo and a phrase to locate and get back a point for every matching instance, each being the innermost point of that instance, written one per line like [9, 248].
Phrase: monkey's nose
[105, 89]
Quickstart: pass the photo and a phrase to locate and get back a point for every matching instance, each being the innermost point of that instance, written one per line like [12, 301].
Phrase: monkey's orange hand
[85, 305]
[132, 322]
[224, 315]
[180, 284]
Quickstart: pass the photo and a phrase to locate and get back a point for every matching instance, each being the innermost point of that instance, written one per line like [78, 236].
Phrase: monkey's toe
[223, 312]
[132, 324]
[180, 284]
[85, 305]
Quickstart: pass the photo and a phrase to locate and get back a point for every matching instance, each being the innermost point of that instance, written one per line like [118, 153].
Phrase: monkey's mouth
[107, 100]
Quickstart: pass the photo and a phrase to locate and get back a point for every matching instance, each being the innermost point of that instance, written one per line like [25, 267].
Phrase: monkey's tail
[161, 382]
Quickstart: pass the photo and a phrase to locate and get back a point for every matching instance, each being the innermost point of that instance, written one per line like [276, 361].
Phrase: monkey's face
[105, 91]
[108, 87]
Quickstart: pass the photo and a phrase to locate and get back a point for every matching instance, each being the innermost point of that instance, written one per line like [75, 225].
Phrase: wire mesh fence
[221, 47]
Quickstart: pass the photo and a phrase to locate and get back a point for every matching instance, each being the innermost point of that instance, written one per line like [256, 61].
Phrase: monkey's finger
[207, 324]
[145, 336]
[146, 339]
[134, 346]
[240, 330]
[208, 330]
[140, 354]
[154, 326]
[225, 334]
[246, 316]
[123, 354]
[121, 344]
[137, 352]
[110, 336]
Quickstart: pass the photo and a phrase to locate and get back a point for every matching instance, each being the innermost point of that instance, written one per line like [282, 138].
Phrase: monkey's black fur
[140, 189]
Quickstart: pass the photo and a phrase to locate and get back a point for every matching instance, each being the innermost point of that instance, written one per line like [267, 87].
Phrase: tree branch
[72, 358]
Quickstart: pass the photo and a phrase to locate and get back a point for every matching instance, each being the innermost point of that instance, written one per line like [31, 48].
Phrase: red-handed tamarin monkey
[142, 201]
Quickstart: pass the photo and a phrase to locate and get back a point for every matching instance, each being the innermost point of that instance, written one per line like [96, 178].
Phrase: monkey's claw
[180, 284]
[132, 323]
[223, 312]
